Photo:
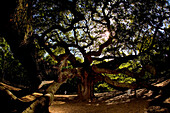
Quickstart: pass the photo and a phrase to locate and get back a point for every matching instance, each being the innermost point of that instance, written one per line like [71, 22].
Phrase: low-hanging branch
[118, 84]
[115, 63]
[48, 97]
[8, 92]
[109, 71]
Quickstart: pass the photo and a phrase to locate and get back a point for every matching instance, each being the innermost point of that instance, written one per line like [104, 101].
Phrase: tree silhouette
[105, 34]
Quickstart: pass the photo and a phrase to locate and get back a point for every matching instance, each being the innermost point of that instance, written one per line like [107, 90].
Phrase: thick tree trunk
[17, 36]
[26, 54]
[86, 88]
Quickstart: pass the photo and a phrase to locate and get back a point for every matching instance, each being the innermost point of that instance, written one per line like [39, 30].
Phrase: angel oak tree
[103, 33]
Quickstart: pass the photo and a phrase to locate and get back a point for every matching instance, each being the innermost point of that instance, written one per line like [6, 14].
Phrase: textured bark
[41, 104]
[19, 38]
[110, 71]
[23, 49]
[86, 87]
[11, 103]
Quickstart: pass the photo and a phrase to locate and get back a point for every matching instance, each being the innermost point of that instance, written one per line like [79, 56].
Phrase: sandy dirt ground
[108, 102]
[120, 103]
[133, 106]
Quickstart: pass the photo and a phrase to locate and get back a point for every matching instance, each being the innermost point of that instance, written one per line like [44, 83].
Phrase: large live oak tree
[103, 33]
[109, 32]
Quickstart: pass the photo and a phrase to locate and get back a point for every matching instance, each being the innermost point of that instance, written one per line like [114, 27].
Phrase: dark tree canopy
[112, 32]
[94, 40]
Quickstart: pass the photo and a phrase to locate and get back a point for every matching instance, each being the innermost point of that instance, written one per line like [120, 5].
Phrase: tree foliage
[98, 36]
[10, 68]
[103, 30]
[104, 34]
[113, 41]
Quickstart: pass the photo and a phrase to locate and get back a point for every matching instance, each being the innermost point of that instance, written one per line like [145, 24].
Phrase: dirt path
[134, 106]
[108, 102]
[112, 102]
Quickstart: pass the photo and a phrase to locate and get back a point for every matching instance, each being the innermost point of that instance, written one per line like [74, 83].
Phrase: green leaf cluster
[102, 87]
[10, 68]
